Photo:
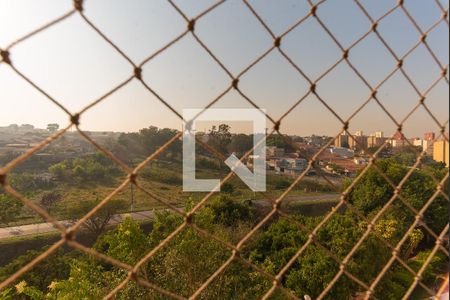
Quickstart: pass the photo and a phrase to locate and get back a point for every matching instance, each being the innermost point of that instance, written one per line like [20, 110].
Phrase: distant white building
[343, 152]
[398, 143]
[418, 142]
[379, 134]
[297, 165]
[398, 140]
[427, 146]
[360, 161]
[289, 165]
[281, 165]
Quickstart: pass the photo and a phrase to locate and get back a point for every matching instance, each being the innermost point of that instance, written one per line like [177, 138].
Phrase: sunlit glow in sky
[76, 66]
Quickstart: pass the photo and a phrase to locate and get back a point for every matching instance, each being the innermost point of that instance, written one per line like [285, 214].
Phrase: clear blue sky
[76, 66]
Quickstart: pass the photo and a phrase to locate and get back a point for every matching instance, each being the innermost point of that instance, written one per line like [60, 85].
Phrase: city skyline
[205, 127]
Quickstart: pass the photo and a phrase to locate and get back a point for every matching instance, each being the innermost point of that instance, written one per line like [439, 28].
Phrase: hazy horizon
[244, 129]
[74, 65]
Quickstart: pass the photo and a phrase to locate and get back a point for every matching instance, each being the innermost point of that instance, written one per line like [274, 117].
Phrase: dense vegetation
[186, 262]
[85, 170]
[69, 175]
[190, 258]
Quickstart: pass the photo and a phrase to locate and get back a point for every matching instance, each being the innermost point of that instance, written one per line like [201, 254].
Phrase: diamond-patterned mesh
[68, 234]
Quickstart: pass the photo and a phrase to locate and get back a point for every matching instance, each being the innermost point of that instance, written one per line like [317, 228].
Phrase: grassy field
[165, 181]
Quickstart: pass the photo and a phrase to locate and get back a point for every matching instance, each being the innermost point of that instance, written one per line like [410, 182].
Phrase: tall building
[358, 143]
[342, 141]
[418, 142]
[376, 140]
[428, 142]
[398, 140]
[428, 146]
[441, 152]
[429, 136]
[359, 133]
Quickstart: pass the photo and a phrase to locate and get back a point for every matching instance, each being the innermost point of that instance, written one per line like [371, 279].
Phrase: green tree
[227, 188]
[8, 157]
[372, 192]
[241, 143]
[7, 294]
[280, 141]
[10, 209]
[281, 183]
[220, 138]
[395, 284]
[126, 243]
[27, 182]
[184, 263]
[87, 280]
[49, 200]
[87, 170]
[91, 279]
[182, 266]
[133, 147]
[314, 269]
[53, 127]
[99, 222]
[55, 267]
[60, 171]
[229, 212]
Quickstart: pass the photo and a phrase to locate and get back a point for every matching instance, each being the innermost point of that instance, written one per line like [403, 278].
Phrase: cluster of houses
[333, 160]
[287, 165]
[278, 160]
[17, 139]
[435, 146]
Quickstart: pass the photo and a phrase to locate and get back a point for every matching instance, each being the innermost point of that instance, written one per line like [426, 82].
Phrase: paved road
[39, 228]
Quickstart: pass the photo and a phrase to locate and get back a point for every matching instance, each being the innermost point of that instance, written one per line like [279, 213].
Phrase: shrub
[229, 212]
[227, 188]
[282, 184]
[162, 176]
